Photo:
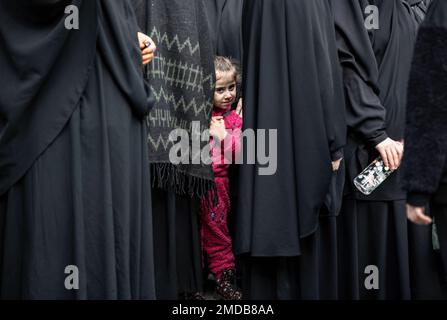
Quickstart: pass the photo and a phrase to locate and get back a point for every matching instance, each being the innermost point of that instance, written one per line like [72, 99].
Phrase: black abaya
[285, 225]
[297, 92]
[177, 250]
[225, 17]
[376, 63]
[84, 197]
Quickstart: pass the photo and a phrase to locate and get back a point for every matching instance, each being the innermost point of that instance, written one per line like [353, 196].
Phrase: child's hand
[239, 108]
[147, 47]
[336, 165]
[217, 128]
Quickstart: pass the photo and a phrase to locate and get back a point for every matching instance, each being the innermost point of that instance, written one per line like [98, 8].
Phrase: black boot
[226, 286]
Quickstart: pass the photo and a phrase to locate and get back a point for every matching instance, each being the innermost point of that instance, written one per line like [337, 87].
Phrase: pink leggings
[216, 240]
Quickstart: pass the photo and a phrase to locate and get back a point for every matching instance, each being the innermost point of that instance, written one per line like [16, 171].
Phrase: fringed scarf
[182, 79]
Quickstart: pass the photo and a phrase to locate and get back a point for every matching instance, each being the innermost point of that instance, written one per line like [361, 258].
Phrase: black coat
[425, 165]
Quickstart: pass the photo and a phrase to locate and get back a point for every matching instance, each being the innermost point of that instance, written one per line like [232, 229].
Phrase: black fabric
[372, 230]
[376, 65]
[312, 276]
[418, 199]
[26, 127]
[182, 79]
[427, 272]
[286, 238]
[373, 233]
[225, 17]
[85, 199]
[177, 243]
[425, 161]
[299, 93]
[177, 250]
[439, 212]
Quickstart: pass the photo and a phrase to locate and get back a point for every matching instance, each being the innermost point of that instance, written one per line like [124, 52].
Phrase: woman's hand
[217, 128]
[147, 47]
[391, 152]
[417, 215]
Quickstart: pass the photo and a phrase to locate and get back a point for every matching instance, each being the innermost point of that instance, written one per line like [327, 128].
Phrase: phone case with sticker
[372, 177]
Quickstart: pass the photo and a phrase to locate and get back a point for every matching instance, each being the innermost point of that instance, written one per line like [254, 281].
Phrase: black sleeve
[426, 134]
[365, 113]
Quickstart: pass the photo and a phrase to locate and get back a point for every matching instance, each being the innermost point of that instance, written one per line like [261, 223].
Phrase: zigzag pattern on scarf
[169, 98]
[181, 79]
[167, 143]
[160, 141]
[184, 75]
[164, 40]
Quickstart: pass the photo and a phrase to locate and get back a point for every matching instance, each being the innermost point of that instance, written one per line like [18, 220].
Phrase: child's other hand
[239, 108]
[147, 47]
[217, 128]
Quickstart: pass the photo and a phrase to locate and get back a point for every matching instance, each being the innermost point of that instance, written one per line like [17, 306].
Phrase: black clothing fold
[225, 17]
[376, 66]
[285, 228]
[373, 230]
[292, 84]
[74, 102]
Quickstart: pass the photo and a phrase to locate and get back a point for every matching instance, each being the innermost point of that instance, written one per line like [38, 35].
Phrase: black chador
[285, 223]
[225, 18]
[75, 218]
[375, 40]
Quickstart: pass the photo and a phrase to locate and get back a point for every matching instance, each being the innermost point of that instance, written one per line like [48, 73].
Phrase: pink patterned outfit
[216, 240]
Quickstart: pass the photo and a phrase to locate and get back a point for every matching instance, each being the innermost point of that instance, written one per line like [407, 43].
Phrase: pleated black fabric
[440, 217]
[285, 223]
[178, 255]
[225, 17]
[374, 234]
[427, 269]
[376, 66]
[373, 229]
[312, 276]
[298, 93]
[85, 200]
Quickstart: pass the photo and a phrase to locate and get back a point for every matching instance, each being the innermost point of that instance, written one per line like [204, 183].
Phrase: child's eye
[219, 90]
[231, 88]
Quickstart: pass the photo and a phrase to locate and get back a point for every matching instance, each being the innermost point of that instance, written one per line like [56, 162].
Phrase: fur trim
[426, 134]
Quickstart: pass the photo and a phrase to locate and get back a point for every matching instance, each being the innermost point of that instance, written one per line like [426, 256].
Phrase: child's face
[225, 93]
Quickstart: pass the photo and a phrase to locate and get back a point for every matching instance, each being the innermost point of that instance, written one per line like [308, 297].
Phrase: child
[225, 142]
